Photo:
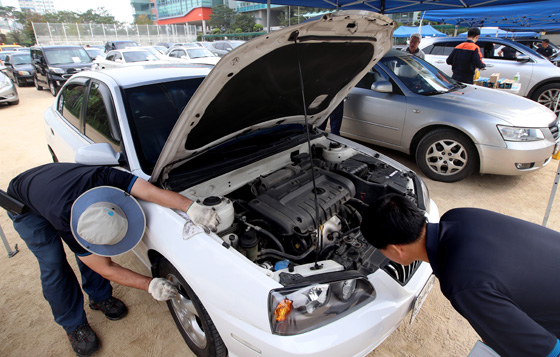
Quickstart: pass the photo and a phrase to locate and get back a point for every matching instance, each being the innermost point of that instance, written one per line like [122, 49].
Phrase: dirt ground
[28, 328]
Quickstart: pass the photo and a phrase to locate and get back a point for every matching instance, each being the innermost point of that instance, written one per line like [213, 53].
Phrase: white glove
[162, 289]
[205, 216]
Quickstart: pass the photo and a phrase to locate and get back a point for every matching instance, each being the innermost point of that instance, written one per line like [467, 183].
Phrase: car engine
[273, 219]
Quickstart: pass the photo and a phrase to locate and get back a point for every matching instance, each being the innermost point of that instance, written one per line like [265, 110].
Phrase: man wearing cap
[545, 49]
[499, 272]
[92, 210]
[413, 43]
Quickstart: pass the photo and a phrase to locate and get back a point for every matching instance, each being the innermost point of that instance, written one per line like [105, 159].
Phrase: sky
[120, 9]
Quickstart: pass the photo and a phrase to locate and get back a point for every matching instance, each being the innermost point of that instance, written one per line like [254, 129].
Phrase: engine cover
[289, 206]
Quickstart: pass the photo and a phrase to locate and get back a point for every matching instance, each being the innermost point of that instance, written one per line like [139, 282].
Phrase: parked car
[5, 54]
[451, 129]
[119, 45]
[19, 68]
[94, 52]
[192, 55]
[535, 43]
[223, 47]
[540, 79]
[53, 65]
[8, 91]
[5, 47]
[126, 57]
[270, 282]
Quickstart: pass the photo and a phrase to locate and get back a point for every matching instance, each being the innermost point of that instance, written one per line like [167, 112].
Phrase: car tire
[53, 89]
[36, 82]
[446, 155]
[191, 317]
[548, 95]
[16, 81]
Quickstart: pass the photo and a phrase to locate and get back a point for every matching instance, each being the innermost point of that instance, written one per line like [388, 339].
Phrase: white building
[38, 6]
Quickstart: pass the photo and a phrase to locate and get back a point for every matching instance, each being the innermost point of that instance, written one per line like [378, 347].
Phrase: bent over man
[466, 58]
[91, 209]
[499, 272]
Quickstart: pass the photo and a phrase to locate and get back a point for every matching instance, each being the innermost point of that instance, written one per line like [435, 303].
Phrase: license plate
[422, 297]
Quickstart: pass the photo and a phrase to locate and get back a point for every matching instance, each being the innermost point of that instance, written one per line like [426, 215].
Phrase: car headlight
[5, 83]
[320, 300]
[510, 133]
[24, 73]
[56, 70]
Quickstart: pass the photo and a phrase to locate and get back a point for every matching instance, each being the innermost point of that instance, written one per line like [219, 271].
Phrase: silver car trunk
[260, 83]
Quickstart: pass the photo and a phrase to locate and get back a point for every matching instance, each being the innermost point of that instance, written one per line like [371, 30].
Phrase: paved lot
[28, 329]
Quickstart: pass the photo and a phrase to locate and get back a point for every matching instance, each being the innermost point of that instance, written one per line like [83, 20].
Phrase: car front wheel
[191, 317]
[446, 155]
[37, 86]
[548, 96]
[53, 88]
[16, 81]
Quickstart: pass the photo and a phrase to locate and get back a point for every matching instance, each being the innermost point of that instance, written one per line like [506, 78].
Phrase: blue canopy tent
[425, 31]
[496, 32]
[531, 15]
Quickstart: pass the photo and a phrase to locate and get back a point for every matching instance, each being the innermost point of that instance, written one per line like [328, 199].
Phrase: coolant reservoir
[224, 208]
[337, 152]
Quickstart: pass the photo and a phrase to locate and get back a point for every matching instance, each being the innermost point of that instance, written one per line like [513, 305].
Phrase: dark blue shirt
[503, 275]
[50, 190]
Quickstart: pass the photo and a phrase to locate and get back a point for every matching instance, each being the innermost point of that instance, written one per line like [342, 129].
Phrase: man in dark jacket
[499, 272]
[466, 58]
[92, 210]
[545, 49]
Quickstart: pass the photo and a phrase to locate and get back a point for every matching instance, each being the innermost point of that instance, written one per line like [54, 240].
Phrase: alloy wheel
[549, 98]
[446, 157]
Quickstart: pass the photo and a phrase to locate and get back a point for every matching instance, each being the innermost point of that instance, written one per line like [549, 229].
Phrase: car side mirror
[382, 87]
[97, 154]
[523, 58]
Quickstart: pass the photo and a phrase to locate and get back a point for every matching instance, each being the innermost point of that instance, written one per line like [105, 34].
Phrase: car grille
[401, 273]
[554, 129]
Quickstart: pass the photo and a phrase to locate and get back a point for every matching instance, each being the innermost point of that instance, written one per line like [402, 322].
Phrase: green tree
[143, 20]
[98, 16]
[244, 21]
[258, 28]
[222, 17]
[62, 17]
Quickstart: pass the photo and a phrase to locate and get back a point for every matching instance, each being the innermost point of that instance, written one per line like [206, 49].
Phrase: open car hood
[258, 84]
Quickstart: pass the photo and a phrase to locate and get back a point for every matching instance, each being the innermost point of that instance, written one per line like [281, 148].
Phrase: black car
[53, 65]
[119, 45]
[19, 68]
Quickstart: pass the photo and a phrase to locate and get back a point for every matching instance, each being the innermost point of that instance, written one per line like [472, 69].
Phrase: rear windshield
[21, 59]
[152, 111]
[66, 55]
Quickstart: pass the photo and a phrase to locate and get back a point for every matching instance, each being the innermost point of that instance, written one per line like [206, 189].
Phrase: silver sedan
[8, 91]
[452, 129]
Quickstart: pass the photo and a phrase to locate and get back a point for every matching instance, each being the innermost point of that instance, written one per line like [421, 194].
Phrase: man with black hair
[545, 49]
[466, 58]
[499, 272]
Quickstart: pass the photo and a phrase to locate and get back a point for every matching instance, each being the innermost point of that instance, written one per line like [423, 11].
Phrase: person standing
[92, 210]
[545, 49]
[466, 58]
[335, 119]
[499, 272]
[413, 44]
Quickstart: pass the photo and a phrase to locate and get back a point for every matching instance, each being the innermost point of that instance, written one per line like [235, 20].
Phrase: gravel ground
[28, 329]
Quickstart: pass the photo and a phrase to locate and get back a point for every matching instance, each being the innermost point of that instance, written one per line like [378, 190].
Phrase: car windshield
[66, 55]
[21, 59]
[419, 76]
[138, 56]
[199, 52]
[152, 111]
[94, 52]
[125, 44]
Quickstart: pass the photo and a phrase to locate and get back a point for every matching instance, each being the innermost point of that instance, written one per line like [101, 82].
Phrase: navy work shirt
[50, 190]
[503, 275]
[464, 60]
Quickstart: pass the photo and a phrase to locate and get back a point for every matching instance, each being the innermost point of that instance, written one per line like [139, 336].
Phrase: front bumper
[8, 94]
[531, 155]
[354, 335]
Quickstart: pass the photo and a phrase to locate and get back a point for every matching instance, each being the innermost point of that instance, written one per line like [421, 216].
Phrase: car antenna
[293, 37]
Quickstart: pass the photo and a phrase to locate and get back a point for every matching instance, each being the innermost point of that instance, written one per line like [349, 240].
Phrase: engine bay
[272, 220]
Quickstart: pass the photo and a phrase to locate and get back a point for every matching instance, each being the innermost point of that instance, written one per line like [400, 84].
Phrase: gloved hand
[203, 215]
[162, 289]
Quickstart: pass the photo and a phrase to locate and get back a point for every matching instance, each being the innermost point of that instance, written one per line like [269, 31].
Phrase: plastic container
[517, 77]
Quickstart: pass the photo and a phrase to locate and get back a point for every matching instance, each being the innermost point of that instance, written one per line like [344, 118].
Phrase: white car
[126, 57]
[192, 55]
[288, 273]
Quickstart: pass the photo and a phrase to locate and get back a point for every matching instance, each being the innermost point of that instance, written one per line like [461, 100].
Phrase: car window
[371, 77]
[110, 57]
[67, 55]
[138, 56]
[152, 111]
[98, 125]
[219, 45]
[505, 52]
[199, 53]
[20, 59]
[70, 103]
[441, 48]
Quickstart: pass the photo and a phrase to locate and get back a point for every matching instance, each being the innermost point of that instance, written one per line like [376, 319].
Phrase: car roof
[56, 46]
[151, 73]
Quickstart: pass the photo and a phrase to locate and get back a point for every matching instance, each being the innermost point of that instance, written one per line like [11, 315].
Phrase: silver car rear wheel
[548, 96]
[446, 155]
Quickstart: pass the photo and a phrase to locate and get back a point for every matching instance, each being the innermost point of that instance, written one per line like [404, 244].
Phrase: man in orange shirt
[466, 58]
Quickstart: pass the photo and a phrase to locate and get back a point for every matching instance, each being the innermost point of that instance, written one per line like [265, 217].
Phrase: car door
[374, 116]
[438, 52]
